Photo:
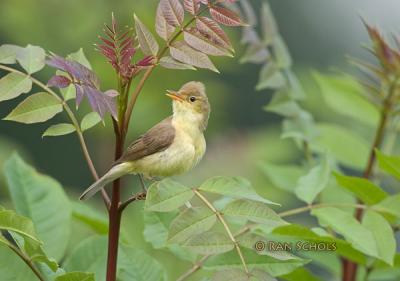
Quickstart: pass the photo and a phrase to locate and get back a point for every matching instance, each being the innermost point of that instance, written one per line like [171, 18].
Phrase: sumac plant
[222, 227]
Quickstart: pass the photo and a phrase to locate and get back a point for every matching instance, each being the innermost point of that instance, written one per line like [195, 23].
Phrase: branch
[247, 228]
[146, 75]
[136, 197]
[74, 122]
[25, 258]
[228, 230]
[200, 262]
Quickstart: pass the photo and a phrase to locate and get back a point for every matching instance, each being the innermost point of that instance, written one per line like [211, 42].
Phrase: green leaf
[7, 55]
[42, 199]
[268, 24]
[11, 221]
[390, 205]
[90, 120]
[147, 42]
[283, 104]
[166, 196]
[90, 255]
[365, 190]
[69, 92]
[14, 84]
[14, 269]
[310, 185]
[345, 96]
[36, 108]
[156, 228]
[302, 233]
[254, 211]
[156, 233]
[240, 275]
[137, 265]
[209, 243]
[388, 163]
[96, 220]
[31, 58]
[36, 253]
[191, 222]
[383, 234]
[300, 127]
[249, 240]
[270, 77]
[300, 274]
[284, 177]
[59, 130]
[235, 187]
[79, 56]
[348, 148]
[76, 276]
[253, 260]
[283, 59]
[345, 224]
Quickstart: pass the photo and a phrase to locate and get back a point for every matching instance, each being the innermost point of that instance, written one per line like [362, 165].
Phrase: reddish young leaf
[225, 16]
[389, 58]
[101, 102]
[211, 29]
[192, 6]
[163, 29]
[147, 42]
[201, 43]
[183, 53]
[146, 61]
[59, 81]
[173, 12]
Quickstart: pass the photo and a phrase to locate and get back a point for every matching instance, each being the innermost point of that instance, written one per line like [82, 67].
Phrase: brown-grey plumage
[171, 147]
[157, 139]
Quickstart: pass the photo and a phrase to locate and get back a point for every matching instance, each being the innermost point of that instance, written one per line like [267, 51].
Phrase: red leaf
[225, 16]
[183, 53]
[163, 28]
[211, 29]
[203, 44]
[146, 61]
[389, 58]
[192, 6]
[108, 42]
[59, 81]
[173, 12]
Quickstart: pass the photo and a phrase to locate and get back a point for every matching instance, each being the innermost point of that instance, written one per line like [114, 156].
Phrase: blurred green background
[319, 35]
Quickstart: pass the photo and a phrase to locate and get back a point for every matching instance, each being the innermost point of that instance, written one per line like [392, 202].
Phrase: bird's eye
[192, 99]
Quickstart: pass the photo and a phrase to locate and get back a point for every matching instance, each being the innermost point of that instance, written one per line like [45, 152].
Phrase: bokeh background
[319, 34]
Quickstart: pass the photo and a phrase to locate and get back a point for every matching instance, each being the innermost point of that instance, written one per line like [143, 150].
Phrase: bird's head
[191, 104]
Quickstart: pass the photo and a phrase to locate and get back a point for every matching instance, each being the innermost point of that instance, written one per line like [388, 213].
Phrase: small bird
[172, 147]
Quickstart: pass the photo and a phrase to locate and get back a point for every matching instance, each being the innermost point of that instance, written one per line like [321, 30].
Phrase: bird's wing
[157, 139]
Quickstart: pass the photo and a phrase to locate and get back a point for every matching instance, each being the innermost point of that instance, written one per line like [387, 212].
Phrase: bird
[172, 147]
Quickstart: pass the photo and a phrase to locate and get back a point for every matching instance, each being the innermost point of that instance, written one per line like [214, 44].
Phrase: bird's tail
[114, 173]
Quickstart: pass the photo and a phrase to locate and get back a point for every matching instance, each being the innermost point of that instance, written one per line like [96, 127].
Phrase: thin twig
[195, 268]
[26, 260]
[247, 228]
[136, 197]
[228, 230]
[149, 70]
[74, 122]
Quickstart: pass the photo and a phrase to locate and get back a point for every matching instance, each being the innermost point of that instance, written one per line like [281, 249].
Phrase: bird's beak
[174, 95]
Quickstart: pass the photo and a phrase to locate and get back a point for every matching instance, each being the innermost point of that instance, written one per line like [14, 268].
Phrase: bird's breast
[183, 154]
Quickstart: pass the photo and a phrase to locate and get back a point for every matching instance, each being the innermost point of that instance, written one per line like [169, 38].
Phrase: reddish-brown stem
[349, 268]
[114, 215]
